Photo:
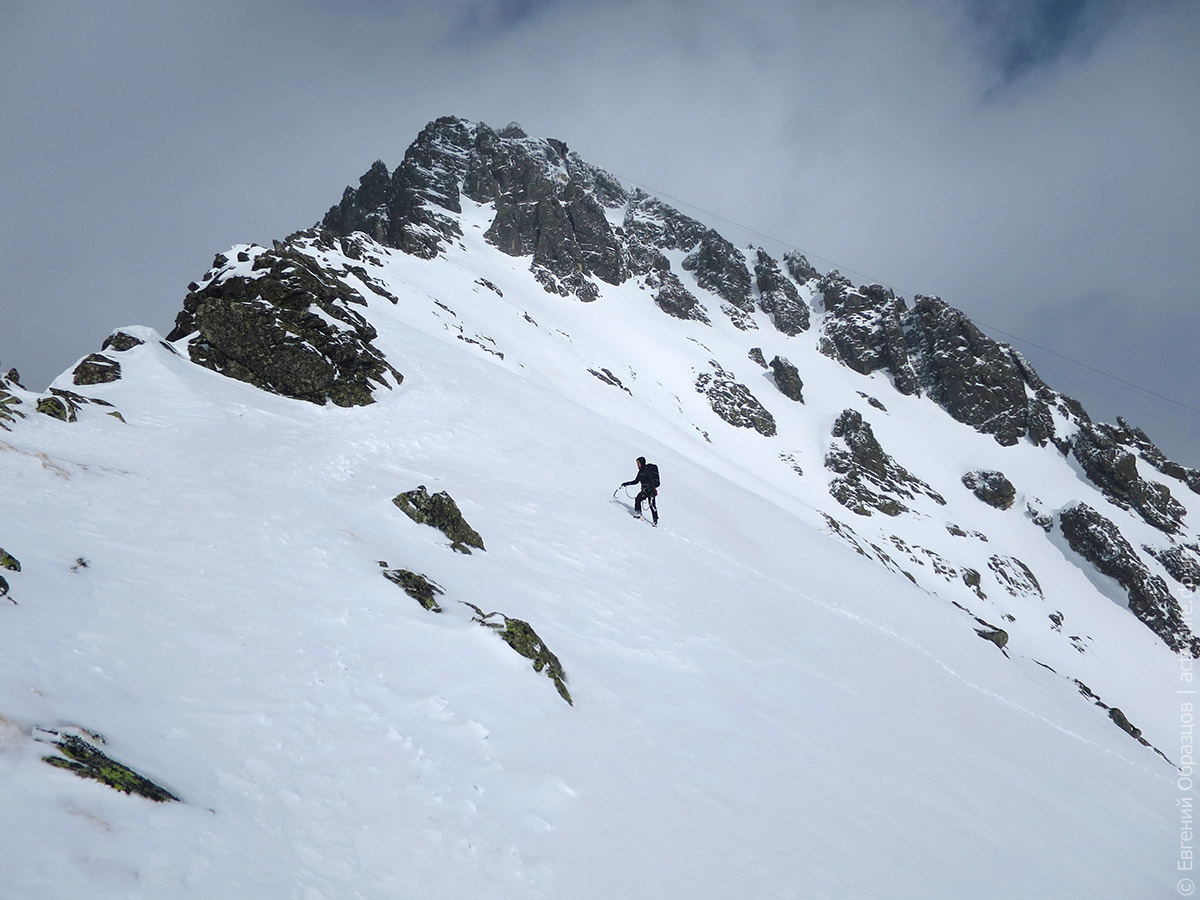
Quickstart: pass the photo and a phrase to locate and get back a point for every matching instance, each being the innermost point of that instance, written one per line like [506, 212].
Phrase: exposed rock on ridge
[549, 203]
[1099, 541]
[278, 320]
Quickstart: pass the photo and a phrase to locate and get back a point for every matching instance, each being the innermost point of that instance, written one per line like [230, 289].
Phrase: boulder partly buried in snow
[787, 379]
[76, 751]
[991, 487]
[520, 635]
[441, 512]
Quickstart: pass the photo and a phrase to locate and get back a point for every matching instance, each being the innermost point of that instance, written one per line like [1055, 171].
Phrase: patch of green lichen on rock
[990, 632]
[84, 760]
[520, 635]
[96, 369]
[441, 512]
[56, 408]
[416, 586]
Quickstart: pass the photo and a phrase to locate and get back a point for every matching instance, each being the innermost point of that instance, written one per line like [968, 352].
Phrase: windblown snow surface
[759, 710]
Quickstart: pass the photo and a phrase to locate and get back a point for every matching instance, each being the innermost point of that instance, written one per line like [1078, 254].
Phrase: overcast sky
[1033, 162]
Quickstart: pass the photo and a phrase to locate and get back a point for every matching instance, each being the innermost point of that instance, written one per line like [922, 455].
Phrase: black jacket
[647, 477]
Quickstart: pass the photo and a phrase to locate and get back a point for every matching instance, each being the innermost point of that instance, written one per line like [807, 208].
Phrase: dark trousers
[647, 494]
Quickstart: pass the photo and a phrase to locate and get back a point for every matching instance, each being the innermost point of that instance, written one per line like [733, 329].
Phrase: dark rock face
[549, 203]
[719, 267]
[967, 373]
[441, 512]
[935, 349]
[869, 479]
[778, 297]
[733, 402]
[96, 369]
[272, 331]
[864, 329]
[406, 209]
[1180, 564]
[799, 267]
[1114, 470]
[991, 487]
[651, 223]
[1100, 542]
[674, 299]
[1136, 439]
[787, 379]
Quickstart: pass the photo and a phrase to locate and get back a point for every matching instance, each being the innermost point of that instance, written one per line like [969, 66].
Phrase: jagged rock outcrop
[787, 379]
[1114, 470]
[991, 487]
[1099, 541]
[864, 329]
[719, 267]
[868, 478]
[1181, 564]
[549, 203]
[1131, 436]
[968, 374]
[733, 402]
[799, 267]
[935, 349]
[441, 512]
[778, 297]
[280, 321]
[673, 298]
[652, 224]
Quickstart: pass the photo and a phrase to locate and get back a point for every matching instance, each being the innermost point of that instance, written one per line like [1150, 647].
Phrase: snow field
[759, 710]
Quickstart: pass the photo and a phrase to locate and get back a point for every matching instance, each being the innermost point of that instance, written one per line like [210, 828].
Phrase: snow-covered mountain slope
[833, 671]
